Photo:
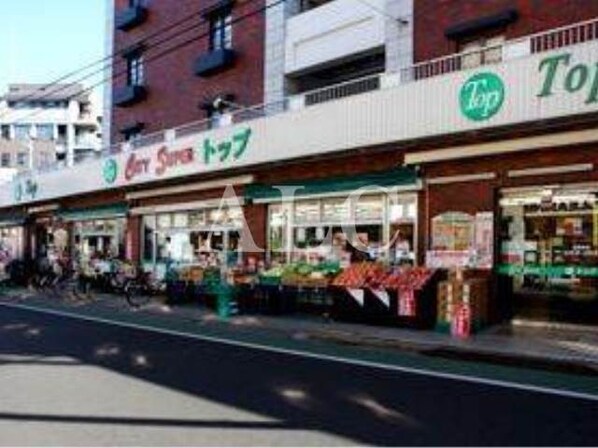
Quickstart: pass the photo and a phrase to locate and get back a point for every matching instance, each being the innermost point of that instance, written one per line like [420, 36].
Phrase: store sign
[110, 171]
[226, 150]
[209, 152]
[25, 190]
[559, 74]
[482, 96]
[513, 270]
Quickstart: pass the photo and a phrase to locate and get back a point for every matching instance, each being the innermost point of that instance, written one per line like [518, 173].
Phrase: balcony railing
[512, 49]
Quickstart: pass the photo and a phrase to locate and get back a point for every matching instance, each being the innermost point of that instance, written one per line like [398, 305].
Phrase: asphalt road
[65, 381]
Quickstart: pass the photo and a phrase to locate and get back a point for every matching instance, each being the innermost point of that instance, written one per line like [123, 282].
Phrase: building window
[221, 30]
[132, 136]
[21, 159]
[6, 132]
[306, 5]
[22, 131]
[5, 161]
[45, 132]
[481, 51]
[135, 70]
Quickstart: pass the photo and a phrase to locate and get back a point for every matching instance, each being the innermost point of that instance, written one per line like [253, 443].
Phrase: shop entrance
[549, 252]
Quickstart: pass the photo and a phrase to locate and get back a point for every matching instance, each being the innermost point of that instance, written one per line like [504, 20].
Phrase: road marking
[319, 356]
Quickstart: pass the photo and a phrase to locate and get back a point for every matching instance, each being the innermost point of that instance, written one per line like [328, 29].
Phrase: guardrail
[546, 41]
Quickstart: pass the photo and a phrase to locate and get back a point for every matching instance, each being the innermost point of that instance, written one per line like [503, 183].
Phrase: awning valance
[12, 220]
[403, 177]
[93, 213]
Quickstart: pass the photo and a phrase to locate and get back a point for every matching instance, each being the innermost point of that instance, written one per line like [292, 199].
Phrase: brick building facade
[435, 18]
[178, 37]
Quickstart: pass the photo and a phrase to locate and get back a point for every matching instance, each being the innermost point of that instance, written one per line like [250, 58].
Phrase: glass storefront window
[193, 237]
[98, 238]
[335, 210]
[369, 209]
[549, 247]
[307, 212]
[277, 233]
[11, 244]
[316, 229]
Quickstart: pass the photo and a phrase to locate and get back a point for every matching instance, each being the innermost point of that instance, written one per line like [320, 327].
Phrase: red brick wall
[433, 17]
[175, 92]
[256, 216]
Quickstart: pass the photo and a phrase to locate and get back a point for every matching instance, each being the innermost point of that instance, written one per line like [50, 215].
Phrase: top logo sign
[482, 96]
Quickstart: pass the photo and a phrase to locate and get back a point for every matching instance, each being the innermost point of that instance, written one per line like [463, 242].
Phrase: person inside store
[399, 248]
[357, 255]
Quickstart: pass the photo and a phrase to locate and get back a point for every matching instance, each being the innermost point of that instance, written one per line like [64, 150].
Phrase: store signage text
[110, 171]
[558, 74]
[165, 160]
[232, 148]
[482, 96]
[170, 159]
[209, 150]
[136, 166]
[26, 190]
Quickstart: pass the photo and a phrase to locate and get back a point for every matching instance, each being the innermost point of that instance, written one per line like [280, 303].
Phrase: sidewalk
[565, 350]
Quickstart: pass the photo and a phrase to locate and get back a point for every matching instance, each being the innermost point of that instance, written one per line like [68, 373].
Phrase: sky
[42, 40]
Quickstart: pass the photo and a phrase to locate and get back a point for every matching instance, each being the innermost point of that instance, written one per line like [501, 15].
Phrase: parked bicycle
[140, 290]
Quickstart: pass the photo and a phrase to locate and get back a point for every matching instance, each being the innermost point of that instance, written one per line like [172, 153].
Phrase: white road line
[306, 354]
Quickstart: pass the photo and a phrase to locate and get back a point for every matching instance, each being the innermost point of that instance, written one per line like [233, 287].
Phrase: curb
[562, 365]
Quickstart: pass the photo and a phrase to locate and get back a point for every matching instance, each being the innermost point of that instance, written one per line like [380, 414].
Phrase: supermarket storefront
[549, 251]
[372, 217]
[12, 239]
[193, 235]
[527, 218]
[97, 232]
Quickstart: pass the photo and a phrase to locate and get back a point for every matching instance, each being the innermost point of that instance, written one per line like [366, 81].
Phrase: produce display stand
[347, 304]
[396, 297]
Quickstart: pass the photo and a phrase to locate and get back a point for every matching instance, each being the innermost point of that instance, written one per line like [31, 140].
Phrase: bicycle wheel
[136, 295]
[82, 289]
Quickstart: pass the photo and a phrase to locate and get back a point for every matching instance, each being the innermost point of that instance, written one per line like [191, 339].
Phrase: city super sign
[164, 159]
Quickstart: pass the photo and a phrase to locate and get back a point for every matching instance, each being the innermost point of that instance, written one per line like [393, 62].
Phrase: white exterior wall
[398, 34]
[425, 108]
[333, 31]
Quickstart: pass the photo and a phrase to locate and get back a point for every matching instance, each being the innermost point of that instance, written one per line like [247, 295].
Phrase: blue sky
[41, 40]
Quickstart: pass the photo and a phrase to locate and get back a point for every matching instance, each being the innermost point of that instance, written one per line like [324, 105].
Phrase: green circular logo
[18, 192]
[110, 171]
[482, 96]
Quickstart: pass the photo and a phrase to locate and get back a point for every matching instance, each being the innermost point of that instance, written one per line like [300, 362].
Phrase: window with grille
[221, 30]
[481, 51]
[135, 70]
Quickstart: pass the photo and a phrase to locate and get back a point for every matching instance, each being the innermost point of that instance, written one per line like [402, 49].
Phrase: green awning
[398, 177]
[90, 214]
[12, 220]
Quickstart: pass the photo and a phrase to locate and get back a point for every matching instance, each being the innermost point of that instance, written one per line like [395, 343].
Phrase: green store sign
[513, 270]
[26, 190]
[482, 96]
[110, 171]
[560, 74]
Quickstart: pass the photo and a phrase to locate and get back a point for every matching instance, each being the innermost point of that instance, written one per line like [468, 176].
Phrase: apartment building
[477, 119]
[41, 125]
[313, 44]
[201, 68]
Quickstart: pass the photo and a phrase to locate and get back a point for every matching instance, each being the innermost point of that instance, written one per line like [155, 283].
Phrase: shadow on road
[368, 406]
